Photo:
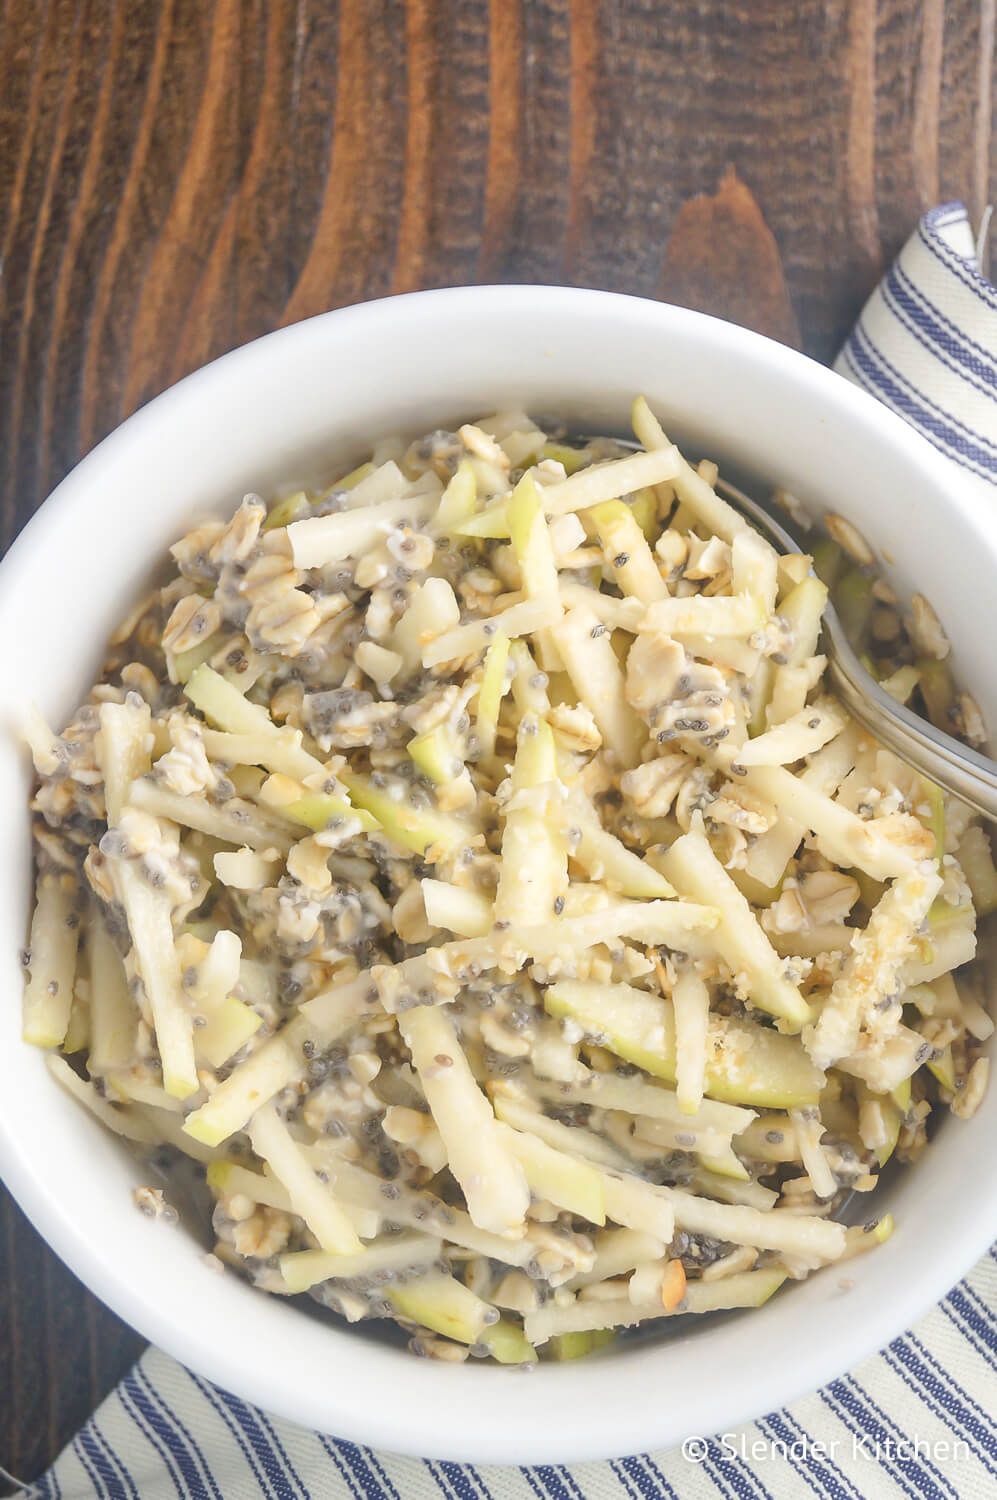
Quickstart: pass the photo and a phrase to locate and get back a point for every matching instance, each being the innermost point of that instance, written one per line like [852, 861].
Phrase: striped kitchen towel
[919, 1419]
[926, 344]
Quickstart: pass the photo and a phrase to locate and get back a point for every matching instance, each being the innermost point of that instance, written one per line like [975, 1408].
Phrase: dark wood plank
[179, 176]
[60, 1349]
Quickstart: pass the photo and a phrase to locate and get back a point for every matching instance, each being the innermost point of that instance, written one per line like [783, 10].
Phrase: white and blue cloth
[919, 1419]
[926, 345]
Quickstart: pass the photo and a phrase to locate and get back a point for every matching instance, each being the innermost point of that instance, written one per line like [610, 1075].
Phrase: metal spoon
[955, 767]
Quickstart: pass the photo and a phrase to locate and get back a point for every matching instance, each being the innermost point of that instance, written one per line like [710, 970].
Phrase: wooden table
[179, 176]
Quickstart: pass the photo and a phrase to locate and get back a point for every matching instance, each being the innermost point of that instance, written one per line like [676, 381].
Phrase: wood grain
[722, 258]
[179, 176]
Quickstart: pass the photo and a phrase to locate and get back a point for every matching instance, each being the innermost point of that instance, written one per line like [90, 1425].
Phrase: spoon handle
[953, 766]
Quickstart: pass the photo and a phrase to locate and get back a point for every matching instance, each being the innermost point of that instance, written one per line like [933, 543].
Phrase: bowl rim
[607, 1433]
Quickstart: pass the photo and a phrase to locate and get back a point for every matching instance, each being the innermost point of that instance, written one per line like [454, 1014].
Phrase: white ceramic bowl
[290, 407]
